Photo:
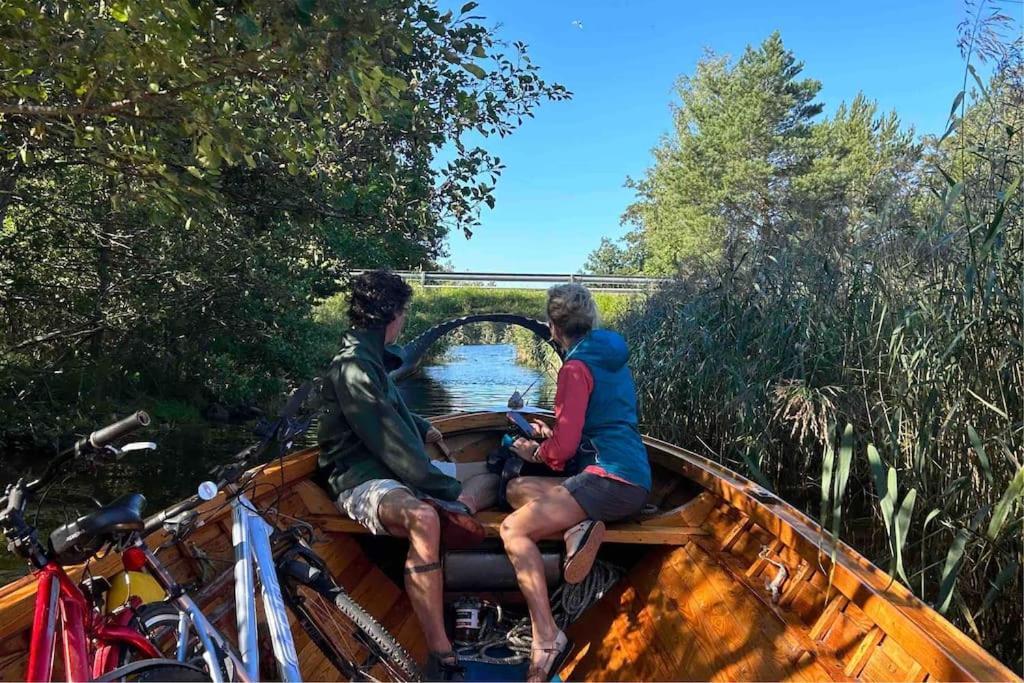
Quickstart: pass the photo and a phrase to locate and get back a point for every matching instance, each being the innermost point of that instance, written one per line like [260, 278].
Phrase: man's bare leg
[406, 516]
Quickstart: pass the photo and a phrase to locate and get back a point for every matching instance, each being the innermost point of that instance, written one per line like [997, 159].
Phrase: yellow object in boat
[133, 584]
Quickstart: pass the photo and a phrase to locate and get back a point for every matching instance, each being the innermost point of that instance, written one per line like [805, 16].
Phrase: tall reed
[872, 373]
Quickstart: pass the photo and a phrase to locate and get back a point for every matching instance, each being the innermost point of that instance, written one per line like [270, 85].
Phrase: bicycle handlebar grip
[101, 437]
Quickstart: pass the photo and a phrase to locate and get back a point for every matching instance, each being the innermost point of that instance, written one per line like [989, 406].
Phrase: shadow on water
[468, 377]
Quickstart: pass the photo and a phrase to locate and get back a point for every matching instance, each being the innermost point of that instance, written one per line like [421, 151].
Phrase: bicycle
[97, 644]
[291, 575]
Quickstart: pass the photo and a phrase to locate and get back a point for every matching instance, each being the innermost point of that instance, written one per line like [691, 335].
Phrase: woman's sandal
[556, 653]
[582, 542]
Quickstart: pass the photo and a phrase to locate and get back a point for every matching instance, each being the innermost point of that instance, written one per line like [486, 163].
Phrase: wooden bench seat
[620, 532]
[674, 527]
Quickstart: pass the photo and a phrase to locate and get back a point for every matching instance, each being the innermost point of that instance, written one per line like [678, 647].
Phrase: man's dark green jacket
[366, 431]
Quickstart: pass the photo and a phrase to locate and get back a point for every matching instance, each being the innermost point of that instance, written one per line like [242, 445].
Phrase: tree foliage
[180, 181]
[748, 161]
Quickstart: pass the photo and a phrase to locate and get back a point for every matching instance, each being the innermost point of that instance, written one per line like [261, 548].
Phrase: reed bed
[872, 372]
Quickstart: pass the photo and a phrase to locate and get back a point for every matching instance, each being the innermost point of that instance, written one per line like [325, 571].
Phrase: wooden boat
[703, 596]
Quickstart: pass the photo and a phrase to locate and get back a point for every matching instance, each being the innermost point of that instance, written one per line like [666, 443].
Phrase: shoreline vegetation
[845, 325]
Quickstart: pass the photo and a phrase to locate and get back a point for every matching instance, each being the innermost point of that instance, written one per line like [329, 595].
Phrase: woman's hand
[525, 449]
[541, 430]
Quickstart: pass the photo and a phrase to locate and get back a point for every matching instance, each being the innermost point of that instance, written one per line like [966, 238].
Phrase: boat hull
[724, 582]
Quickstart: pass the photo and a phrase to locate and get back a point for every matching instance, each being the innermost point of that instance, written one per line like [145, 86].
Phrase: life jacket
[610, 424]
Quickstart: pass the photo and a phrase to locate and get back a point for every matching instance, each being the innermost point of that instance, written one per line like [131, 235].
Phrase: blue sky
[563, 188]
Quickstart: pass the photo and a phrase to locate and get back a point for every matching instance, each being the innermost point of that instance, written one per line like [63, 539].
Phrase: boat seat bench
[618, 532]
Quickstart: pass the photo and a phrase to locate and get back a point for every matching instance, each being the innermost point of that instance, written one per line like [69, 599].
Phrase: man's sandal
[556, 653]
[443, 666]
[581, 545]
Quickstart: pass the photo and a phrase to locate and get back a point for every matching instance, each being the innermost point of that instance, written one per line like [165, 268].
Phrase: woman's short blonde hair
[571, 307]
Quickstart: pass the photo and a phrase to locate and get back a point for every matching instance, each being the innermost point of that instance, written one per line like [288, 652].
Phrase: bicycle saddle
[81, 539]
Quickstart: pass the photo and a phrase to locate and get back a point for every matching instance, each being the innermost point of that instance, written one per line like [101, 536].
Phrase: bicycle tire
[355, 643]
[148, 670]
[158, 622]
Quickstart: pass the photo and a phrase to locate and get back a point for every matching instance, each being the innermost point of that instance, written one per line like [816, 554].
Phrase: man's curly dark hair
[376, 298]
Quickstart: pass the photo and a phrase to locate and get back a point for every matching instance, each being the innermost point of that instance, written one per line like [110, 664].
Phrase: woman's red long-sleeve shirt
[572, 394]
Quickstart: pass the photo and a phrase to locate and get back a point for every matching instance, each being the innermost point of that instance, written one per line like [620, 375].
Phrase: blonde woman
[596, 420]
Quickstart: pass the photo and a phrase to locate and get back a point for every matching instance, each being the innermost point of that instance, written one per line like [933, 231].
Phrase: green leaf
[436, 27]
[842, 475]
[881, 485]
[1005, 505]
[479, 51]
[828, 464]
[1005, 577]
[997, 218]
[977, 79]
[755, 470]
[956, 104]
[902, 529]
[979, 448]
[951, 570]
[475, 70]
[468, 7]
[119, 12]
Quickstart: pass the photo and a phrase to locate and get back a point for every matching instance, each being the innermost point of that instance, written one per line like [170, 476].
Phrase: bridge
[623, 284]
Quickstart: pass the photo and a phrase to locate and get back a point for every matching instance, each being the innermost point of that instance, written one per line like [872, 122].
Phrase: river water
[468, 378]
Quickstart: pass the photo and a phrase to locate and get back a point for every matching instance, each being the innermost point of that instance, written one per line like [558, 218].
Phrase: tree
[738, 141]
[180, 181]
[612, 259]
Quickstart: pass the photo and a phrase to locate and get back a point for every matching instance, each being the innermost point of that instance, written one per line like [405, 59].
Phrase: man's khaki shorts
[362, 503]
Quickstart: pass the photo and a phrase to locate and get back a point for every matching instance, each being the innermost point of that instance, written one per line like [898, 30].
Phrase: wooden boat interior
[723, 582]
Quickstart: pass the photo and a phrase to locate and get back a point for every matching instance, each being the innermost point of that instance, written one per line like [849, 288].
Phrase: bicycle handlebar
[112, 432]
[94, 442]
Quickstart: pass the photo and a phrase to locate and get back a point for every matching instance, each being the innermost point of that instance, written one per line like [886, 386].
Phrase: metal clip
[775, 585]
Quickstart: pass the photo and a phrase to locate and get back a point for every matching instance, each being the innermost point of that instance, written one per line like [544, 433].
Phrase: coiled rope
[568, 603]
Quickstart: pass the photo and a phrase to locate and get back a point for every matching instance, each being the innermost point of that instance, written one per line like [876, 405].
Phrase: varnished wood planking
[945, 651]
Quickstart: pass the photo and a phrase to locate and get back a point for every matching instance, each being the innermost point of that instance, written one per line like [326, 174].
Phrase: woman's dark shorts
[603, 498]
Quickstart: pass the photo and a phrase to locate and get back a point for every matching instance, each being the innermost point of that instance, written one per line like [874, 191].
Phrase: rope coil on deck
[569, 602]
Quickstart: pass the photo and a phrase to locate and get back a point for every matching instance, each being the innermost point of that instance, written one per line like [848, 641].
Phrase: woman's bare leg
[552, 513]
[522, 490]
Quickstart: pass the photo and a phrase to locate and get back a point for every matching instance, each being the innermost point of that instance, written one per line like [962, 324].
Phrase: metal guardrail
[617, 283]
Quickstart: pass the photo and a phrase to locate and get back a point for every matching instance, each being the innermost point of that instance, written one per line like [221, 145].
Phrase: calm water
[470, 377]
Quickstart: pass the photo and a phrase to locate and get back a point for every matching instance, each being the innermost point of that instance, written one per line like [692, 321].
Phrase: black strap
[420, 569]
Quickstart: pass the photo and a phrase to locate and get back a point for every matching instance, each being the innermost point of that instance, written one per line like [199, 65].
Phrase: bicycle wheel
[352, 640]
[148, 670]
[158, 622]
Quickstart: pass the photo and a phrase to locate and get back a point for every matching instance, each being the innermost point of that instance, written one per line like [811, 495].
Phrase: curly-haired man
[372, 453]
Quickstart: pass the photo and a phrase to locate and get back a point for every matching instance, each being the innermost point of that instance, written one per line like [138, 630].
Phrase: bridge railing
[615, 283]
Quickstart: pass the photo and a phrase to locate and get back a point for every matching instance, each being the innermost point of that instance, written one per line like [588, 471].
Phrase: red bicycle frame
[60, 601]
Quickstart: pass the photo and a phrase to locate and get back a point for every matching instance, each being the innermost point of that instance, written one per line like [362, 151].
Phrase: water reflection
[476, 376]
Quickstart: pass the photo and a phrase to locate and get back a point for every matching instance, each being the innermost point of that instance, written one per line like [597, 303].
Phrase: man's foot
[547, 659]
[443, 666]
[581, 545]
